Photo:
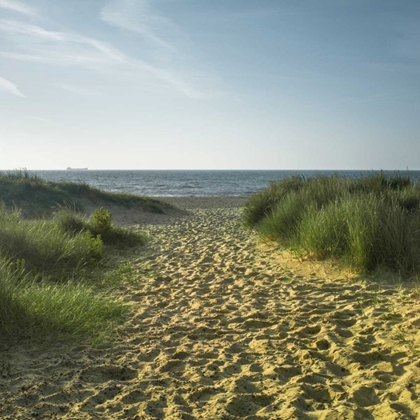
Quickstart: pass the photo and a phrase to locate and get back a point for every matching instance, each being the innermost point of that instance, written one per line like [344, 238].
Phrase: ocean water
[190, 183]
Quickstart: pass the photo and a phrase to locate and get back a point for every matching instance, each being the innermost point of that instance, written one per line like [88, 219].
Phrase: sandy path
[221, 330]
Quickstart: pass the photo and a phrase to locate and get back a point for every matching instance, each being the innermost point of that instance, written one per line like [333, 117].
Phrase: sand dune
[222, 329]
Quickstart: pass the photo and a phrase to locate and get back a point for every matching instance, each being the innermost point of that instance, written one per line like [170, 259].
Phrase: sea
[181, 183]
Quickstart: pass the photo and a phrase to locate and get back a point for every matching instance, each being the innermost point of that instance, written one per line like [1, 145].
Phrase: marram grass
[43, 247]
[37, 197]
[368, 223]
[54, 279]
[36, 309]
[99, 226]
[50, 277]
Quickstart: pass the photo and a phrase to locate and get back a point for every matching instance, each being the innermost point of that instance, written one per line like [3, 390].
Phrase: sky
[220, 84]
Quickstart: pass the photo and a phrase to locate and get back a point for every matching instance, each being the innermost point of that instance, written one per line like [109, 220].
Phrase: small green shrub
[72, 223]
[101, 220]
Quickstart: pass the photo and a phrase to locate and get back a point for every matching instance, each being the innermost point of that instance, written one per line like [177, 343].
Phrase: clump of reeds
[369, 222]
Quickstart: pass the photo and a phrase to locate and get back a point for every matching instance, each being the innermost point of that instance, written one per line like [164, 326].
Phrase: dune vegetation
[36, 196]
[367, 223]
[53, 274]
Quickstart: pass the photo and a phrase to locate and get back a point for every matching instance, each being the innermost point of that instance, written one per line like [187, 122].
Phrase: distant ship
[77, 169]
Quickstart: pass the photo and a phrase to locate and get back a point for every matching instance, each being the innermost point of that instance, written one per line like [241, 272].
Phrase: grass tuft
[42, 247]
[50, 281]
[369, 222]
[99, 226]
[31, 309]
[54, 278]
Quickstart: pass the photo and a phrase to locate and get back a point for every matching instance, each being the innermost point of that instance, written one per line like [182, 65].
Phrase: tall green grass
[42, 246]
[55, 272]
[36, 310]
[50, 278]
[369, 222]
[262, 204]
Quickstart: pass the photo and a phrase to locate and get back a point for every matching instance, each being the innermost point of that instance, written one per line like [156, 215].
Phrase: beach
[223, 326]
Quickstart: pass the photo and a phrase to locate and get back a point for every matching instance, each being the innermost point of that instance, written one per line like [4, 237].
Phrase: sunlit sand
[221, 328]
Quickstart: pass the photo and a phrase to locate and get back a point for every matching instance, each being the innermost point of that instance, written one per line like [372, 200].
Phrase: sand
[223, 327]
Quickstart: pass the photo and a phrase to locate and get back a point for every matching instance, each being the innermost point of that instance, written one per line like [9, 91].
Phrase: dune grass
[50, 281]
[99, 226]
[37, 197]
[42, 246]
[56, 272]
[35, 309]
[368, 223]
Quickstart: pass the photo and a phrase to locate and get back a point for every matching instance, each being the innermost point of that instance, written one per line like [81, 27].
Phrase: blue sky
[221, 84]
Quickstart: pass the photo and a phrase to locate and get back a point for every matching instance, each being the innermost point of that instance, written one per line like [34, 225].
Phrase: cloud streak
[17, 6]
[9, 87]
[136, 17]
[36, 44]
[57, 47]
[21, 28]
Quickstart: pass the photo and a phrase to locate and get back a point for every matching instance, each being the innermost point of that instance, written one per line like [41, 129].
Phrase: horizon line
[207, 169]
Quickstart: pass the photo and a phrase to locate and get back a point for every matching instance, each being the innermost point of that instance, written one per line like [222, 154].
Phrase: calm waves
[189, 183]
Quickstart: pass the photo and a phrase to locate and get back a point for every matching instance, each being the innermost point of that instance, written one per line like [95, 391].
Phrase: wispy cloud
[137, 16]
[22, 28]
[58, 58]
[17, 6]
[9, 87]
[36, 44]
[57, 47]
